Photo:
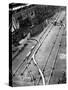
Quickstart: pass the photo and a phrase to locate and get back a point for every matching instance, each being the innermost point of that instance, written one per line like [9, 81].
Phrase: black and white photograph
[37, 44]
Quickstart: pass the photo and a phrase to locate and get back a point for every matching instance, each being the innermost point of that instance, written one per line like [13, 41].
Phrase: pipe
[43, 79]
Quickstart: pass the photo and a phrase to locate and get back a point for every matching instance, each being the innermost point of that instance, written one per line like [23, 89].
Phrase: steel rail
[29, 55]
[50, 53]
[62, 27]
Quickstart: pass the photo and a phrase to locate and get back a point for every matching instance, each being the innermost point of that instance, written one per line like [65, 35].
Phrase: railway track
[34, 49]
[31, 55]
[44, 69]
[19, 51]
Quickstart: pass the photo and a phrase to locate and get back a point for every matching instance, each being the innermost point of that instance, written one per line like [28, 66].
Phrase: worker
[55, 23]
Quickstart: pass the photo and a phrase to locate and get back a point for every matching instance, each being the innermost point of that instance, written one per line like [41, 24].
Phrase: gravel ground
[59, 72]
